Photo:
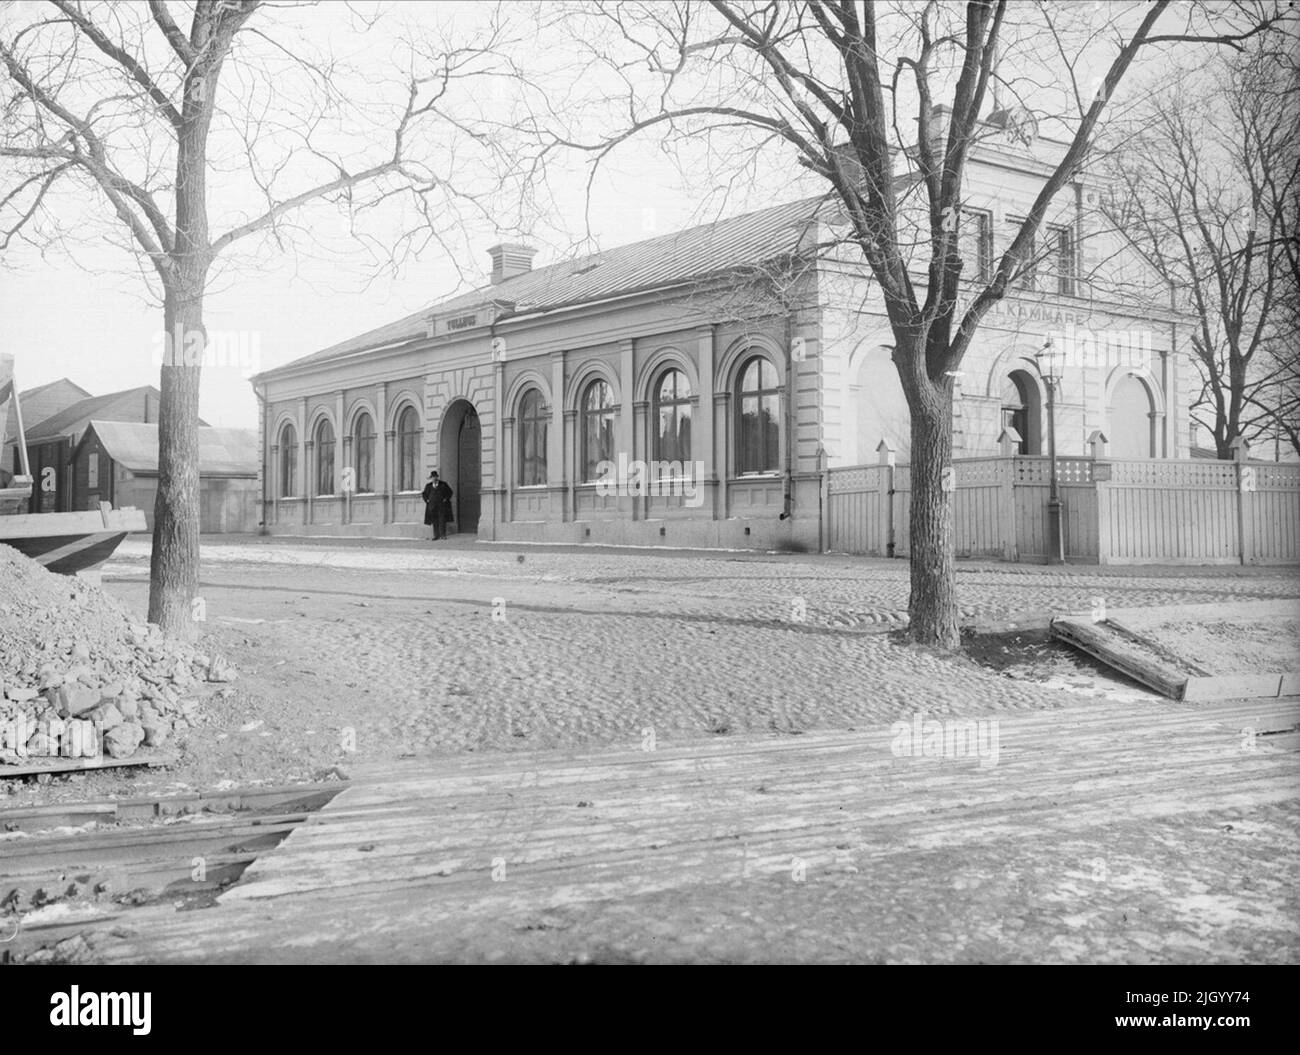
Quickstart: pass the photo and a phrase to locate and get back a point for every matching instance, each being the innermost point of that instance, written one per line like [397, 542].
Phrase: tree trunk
[174, 565]
[933, 603]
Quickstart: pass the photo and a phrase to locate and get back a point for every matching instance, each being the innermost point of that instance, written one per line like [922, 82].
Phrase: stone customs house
[745, 357]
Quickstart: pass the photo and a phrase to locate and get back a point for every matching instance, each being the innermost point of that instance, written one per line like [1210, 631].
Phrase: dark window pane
[532, 440]
[597, 429]
[672, 438]
[364, 454]
[288, 462]
[324, 458]
[408, 442]
[771, 432]
[1065, 261]
[750, 436]
[976, 245]
[759, 439]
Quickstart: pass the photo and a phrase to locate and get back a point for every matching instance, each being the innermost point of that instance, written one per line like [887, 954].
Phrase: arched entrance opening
[461, 447]
[1021, 410]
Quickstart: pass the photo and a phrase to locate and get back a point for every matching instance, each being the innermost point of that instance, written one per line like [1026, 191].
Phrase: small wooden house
[117, 462]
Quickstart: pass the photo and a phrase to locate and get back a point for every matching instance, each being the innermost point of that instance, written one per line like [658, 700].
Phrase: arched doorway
[1021, 410]
[461, 446]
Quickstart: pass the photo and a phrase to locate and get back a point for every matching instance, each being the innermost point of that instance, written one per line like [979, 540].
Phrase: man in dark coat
[437, 505]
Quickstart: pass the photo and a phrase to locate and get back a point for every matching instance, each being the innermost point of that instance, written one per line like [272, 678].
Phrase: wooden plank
[283, 798]
[76, 765]
[1231, 686]
[410, 846]
[1115, 650]
[387, 901]
[35, 855]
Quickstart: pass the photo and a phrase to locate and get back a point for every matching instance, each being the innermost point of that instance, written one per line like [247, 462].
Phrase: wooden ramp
[1197, 652]
[412, 848]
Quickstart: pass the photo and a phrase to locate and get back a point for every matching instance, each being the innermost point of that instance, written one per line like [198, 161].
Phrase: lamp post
[1051, 364]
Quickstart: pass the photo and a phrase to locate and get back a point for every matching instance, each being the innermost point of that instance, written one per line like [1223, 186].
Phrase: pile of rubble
[79, 678]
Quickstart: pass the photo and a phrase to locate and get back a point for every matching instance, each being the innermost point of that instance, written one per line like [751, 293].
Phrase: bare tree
[848, 89]
[148, 117]
[1207, 188]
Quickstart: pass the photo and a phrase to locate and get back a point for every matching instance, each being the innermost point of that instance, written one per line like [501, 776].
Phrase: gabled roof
[222, 452]
[656, 263]
[72, 419]
[43, 402]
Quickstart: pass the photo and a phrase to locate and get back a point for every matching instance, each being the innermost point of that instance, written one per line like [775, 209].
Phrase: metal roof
[222, 452]
[655, 263]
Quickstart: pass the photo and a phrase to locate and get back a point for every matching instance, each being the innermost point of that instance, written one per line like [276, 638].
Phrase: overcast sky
[90, 319]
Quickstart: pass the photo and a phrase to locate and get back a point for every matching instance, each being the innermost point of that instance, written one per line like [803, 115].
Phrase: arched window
[597, 428]
[363, 453]
[288, 462]
[408, 450]
[758, 445]
[324, 457]
[1131, 430]
[533, 421]
[875, 408]
[672, 416]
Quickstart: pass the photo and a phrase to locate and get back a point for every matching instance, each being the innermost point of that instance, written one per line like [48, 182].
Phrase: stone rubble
[80, 678]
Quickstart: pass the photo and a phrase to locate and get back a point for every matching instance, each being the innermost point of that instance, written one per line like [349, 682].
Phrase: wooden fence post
[1101, 488]
[824, 498]
[885, 494]
[1008, 444]
[1245, 500]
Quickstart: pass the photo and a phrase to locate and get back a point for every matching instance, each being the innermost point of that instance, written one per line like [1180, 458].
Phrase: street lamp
[1051, 365]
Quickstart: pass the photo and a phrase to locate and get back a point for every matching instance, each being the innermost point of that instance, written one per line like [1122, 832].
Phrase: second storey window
[1061, 243]
[1027, 275]
[597, 428]
[758, 444]
[976, 245]
[533, 420]
[324, 458]
[408, 450]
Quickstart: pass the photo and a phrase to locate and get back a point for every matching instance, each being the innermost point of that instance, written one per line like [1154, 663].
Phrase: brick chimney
[510, 259]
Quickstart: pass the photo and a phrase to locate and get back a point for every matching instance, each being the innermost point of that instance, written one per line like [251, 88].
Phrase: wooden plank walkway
[411, 846]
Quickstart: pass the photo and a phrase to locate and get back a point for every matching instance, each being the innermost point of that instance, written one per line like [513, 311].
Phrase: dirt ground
[360, 651]
[354, 654]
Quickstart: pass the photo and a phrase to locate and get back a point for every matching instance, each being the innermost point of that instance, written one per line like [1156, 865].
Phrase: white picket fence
[1114, 511]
